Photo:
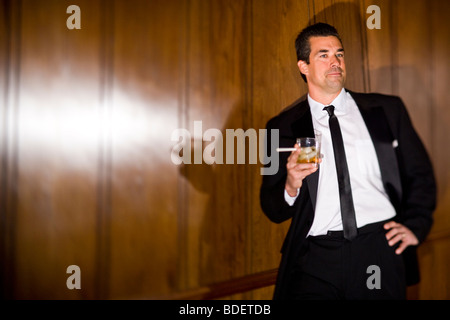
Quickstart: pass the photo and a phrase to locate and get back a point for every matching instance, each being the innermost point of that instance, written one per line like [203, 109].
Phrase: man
[390, 186]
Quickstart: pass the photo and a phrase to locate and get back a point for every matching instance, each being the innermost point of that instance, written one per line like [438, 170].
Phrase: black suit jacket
[405, 167]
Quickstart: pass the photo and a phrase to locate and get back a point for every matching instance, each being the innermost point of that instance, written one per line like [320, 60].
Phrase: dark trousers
[335, 268]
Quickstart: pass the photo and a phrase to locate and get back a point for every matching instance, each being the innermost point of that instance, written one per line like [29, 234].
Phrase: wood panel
[382, 49]
[435, 254]
[440, 113]
[414, 42]
[9, 61]
[435, 282]
[216, 215]
[55, 217]
[143, 108]
[86, 123]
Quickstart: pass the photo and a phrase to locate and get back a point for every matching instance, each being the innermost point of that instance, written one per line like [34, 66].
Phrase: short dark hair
[302, 44]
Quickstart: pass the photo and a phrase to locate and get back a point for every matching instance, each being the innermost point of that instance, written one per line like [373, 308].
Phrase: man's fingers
[294, 155]
[398, 237]
[296, 152]
[391, 233]
[301, 170]
[305, 168]
[297, 171]
[403, 245]
[390, 225]
[401, 235]
[393, 228]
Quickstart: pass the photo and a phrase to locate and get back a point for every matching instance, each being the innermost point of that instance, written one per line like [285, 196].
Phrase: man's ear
[303, 67]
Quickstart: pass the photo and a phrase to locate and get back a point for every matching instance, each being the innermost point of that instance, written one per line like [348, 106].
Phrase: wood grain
[85, 137]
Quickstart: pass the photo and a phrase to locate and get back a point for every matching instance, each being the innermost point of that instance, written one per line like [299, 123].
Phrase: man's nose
[335, 62]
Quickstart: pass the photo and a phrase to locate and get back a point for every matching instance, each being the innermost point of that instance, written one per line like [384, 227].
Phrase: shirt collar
[339, 103]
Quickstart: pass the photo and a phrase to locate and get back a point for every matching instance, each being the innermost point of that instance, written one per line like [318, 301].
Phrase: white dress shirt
[369, 197]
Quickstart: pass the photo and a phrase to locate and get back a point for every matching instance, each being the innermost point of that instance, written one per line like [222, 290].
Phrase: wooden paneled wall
[87, 118]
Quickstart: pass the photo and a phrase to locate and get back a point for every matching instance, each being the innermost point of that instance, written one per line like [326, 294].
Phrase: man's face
[326, 69]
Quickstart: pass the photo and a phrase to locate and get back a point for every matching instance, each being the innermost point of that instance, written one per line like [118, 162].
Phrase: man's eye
[323, 56]
[340, 55]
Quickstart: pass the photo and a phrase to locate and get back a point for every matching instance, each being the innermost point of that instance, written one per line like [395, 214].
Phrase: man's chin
[336, 85]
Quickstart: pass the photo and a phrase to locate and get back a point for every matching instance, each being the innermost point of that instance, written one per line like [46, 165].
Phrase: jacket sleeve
[272, 188]
[417, 176]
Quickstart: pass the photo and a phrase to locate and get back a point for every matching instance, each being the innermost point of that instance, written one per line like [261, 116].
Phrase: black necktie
[345, 191]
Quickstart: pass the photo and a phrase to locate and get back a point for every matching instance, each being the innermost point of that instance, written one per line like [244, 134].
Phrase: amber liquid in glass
[308, 155]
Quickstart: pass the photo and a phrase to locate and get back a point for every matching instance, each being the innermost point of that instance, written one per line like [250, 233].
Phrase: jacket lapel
[385, 144]
[303, 126]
